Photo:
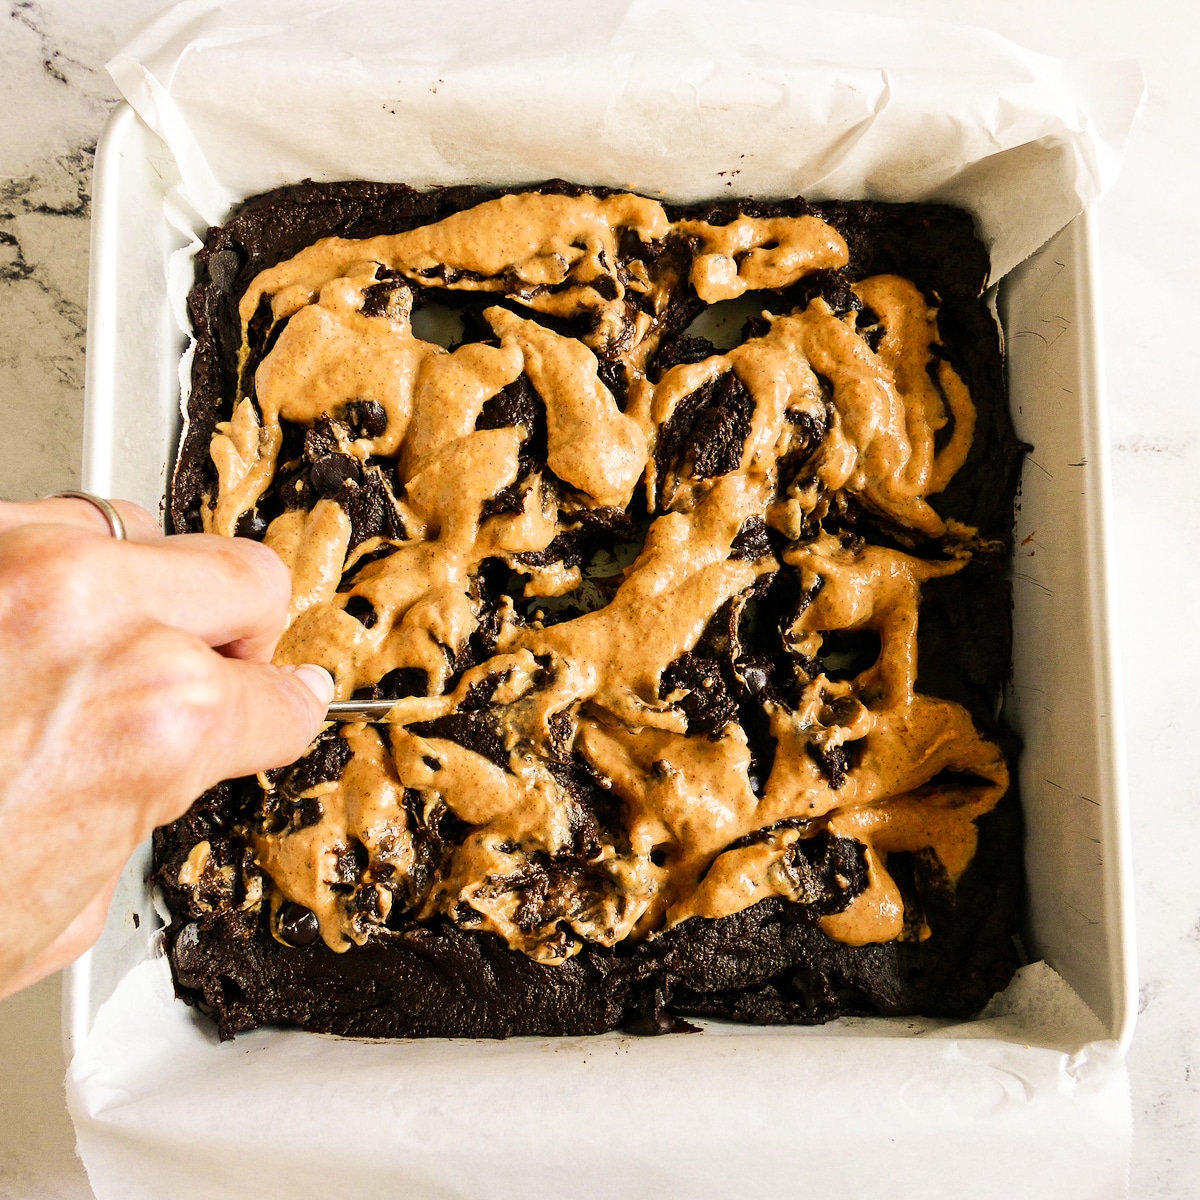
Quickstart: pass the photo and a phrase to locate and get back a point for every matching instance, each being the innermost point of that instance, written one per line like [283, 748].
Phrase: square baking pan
[1064, 703]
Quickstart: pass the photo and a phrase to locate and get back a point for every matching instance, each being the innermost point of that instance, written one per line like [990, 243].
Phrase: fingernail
[317, 680]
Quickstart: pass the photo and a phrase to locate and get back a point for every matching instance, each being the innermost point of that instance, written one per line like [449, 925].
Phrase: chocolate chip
[605, 287]
[650, 1024]
[308, 812]
[297, 925]
[251, 525]
[361, 609]
[330, 472]
[223, 268]
[367, 417]
[808, 988]
[757, 676]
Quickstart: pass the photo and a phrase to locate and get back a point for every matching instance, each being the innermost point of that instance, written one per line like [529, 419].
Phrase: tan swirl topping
[592, 445]
[421, 594]
[365, 806]
[881, 418]
[555, 254]
[760, 252]
[694, 838]
[328, 355]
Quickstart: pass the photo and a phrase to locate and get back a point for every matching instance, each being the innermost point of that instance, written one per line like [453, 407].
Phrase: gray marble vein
[55, 95]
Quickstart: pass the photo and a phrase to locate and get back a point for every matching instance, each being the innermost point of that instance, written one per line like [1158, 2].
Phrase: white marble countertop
[55, 95]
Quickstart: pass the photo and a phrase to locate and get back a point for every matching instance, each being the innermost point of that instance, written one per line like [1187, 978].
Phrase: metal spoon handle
[360, 710]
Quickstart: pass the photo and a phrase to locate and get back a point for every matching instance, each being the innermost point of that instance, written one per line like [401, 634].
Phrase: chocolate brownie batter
[696, 651]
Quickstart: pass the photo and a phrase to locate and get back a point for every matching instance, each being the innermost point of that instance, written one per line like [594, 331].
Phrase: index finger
[229, 592]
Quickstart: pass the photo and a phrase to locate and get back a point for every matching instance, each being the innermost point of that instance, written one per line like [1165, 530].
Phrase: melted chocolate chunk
[251, 525]
[705, 434]
[323, 763]
[756, 674]
[707, 704]
[331, 472]
[380, 299]
[372, 510]
[753, 541]
[472, 730]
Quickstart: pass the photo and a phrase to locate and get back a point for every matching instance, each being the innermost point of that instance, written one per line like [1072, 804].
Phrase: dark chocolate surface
[768, 964]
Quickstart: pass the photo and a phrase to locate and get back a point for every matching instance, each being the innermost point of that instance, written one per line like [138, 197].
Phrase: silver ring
[115, 525]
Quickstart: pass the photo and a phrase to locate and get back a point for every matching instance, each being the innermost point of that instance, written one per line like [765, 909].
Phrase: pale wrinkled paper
[687, 101]
[859, 1110]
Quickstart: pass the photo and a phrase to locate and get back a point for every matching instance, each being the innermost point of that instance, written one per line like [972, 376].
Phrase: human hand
[134, 676]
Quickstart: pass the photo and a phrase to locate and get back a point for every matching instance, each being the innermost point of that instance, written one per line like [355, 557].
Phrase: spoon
[359, 710]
